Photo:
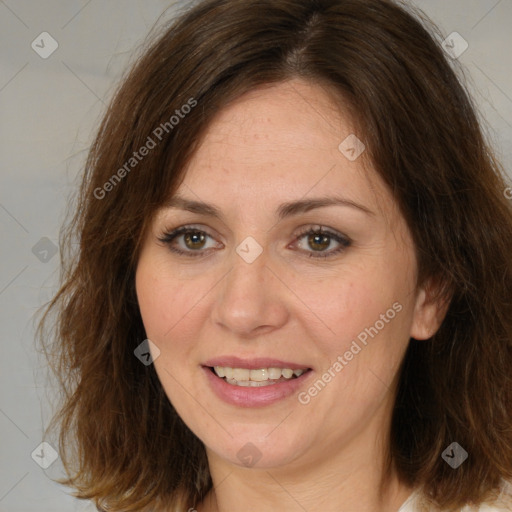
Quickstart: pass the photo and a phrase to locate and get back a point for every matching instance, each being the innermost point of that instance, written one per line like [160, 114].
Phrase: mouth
[257, 377]
[255, 381]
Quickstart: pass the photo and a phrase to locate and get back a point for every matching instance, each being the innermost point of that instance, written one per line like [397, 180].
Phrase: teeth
[259, 377]
[287, 373]
[241, 374]
[250, 383]
[274, 373]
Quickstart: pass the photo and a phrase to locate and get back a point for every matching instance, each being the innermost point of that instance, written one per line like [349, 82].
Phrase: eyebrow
[285, 210]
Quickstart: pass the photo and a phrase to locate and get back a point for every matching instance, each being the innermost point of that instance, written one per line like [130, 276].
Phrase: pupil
[194, 239]
[319, 240]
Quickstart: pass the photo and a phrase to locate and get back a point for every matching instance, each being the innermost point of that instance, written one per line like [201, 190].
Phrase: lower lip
[243, 396]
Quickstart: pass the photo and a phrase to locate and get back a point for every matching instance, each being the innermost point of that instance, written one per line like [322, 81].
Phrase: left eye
[319, 240]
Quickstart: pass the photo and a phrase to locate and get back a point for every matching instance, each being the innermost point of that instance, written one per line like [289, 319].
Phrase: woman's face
[294, 258]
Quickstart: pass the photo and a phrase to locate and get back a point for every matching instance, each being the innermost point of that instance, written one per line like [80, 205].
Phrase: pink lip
[253, 363]
[257, 396]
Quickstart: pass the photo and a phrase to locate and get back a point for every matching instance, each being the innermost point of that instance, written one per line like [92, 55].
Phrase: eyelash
[168, 237]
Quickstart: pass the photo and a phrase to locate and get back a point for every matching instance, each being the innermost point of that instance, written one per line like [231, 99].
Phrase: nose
[251, 300]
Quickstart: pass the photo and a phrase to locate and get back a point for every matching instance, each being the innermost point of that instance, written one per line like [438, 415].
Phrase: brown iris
[318, 242]
[194, 240]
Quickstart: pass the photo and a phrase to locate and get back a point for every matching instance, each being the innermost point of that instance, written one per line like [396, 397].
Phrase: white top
[414, 503]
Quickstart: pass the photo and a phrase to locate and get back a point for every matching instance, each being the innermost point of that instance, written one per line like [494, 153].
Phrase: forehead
[277, 143]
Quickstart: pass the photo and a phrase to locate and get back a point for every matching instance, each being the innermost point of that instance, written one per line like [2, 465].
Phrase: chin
[260, 448]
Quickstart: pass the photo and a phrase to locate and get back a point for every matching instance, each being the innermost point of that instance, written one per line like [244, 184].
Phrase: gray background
[49, 109]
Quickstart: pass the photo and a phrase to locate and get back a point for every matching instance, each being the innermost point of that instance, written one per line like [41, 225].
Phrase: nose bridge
[248, 297]
[244, 276]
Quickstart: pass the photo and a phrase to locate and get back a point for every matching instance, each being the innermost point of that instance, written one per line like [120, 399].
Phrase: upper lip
[254, 363]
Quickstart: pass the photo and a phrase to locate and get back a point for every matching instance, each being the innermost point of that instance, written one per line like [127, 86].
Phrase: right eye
[187, 241]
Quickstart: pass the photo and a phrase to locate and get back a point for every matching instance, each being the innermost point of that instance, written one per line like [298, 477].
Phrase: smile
[263, 384]
[256, 377]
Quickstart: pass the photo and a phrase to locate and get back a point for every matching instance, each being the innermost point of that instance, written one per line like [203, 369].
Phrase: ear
[429, 311]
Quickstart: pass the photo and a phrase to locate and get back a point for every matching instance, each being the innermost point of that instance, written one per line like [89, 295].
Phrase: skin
[274, 145]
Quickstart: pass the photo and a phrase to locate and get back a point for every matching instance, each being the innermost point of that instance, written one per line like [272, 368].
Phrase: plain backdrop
[49, 109]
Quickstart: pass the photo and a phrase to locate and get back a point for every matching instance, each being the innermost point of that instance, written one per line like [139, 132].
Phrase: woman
[293, 287]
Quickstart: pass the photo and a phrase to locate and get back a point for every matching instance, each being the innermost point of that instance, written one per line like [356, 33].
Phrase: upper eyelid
[182, 230]
[303, 230]
[337, 236]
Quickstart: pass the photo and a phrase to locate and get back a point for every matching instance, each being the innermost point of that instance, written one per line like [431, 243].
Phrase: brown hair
[121, 441]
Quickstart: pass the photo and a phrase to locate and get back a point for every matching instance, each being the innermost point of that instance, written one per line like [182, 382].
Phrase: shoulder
[500, 502]
[490, 507]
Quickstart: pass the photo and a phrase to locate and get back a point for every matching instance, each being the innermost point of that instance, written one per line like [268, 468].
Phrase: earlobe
[429, 312]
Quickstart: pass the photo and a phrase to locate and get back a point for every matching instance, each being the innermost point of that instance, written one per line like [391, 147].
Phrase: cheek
[162, 301]
[173, 313]
[366, 303]
[155, 302]
[165, 300]
[342, 302]
[166, 306]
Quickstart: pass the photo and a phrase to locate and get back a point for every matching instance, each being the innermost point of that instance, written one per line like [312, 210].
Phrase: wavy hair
[121, 442]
